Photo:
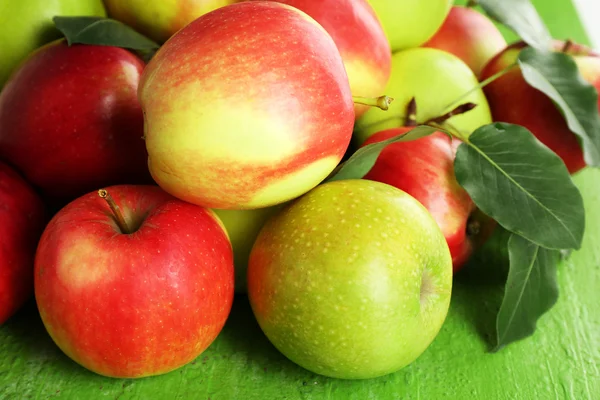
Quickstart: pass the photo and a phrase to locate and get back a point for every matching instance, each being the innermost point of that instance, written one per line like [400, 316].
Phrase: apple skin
[159, 20]
[27, 25]
[410, 23]
[512, 100]
[352, 280]
[140, 304]
[424, 168]
[246, 107]
[23, 217]
[70, 120]
[359, 37]
[469, 35]
[436, 79]
[243, 227]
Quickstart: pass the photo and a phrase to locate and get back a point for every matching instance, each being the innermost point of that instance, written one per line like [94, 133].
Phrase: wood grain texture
[561, 361]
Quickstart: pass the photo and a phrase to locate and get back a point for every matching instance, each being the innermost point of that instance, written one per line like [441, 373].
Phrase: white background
[589, 11]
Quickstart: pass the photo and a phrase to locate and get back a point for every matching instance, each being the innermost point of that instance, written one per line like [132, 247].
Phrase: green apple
[436, 79]
[352, 280]
[410, 23]
[243, 227]
[26, 25]
[159, 20]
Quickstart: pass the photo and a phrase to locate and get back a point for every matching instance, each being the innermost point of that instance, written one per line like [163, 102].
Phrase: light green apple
[436, 79]
[410, 23]
[26, 25]
[243, 227]
[352, 280]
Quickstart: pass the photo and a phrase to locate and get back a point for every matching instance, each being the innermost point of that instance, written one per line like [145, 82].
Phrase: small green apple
[26, 25]
[410, 23]
[243, 227]
[436, 79]
[352, 280]
[159, 20]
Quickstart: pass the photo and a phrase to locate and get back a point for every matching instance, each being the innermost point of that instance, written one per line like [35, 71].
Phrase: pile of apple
[136, 199]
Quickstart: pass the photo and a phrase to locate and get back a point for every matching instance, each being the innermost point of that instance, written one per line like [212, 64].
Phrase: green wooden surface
[562, 360]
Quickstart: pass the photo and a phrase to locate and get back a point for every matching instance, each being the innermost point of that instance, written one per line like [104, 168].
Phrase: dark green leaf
[556, 75]
[531, 290]
[103, 32]
[361, 162]
[519, 182]
[522, 17]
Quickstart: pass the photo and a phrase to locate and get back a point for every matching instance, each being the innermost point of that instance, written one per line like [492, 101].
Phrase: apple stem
[463, 108]
[472, 3]
[568, 44]
[411, 113]
[382, 102]
[115, 210]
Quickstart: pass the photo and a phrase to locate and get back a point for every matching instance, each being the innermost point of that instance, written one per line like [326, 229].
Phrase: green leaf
[103, 32]
[361, 162]
[531, 290]
[518, 181]
[522, 17]
[556, 75]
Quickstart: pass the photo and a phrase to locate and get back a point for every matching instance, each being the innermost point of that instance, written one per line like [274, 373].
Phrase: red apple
[424, 168]
[469, 35]
[359, 37]
[512, 100]
[22, 215]
[137, 297]
[246, 107]
[70, 120]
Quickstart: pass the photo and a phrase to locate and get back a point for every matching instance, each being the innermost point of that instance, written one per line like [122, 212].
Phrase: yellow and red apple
[359, 37]
[246, 107]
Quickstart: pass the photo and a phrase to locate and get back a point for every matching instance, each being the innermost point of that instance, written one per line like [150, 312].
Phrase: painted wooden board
[562, 360]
